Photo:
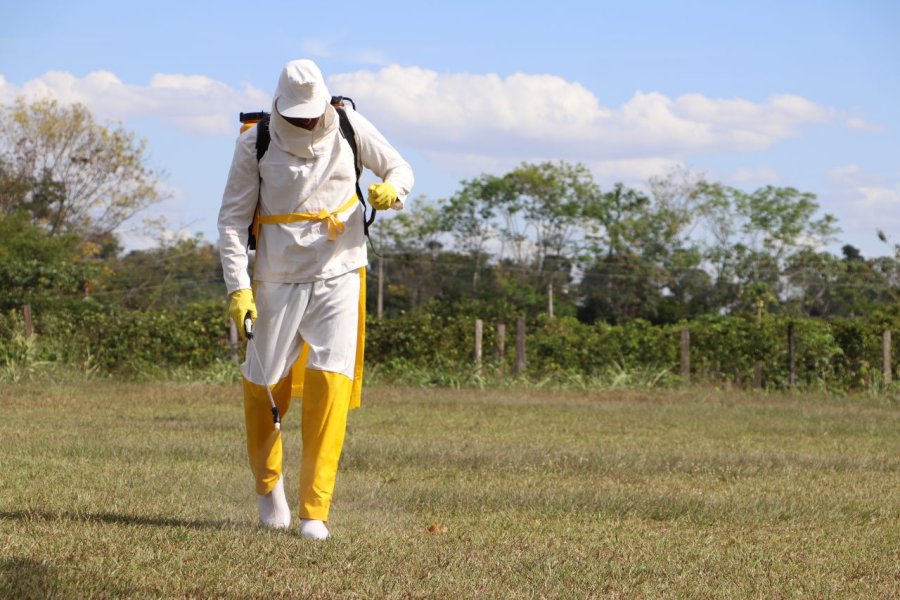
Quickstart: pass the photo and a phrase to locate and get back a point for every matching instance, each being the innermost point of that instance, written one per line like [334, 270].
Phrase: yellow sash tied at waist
[335, 227]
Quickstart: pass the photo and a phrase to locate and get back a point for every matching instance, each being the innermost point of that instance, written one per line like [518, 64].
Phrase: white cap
[301, 91]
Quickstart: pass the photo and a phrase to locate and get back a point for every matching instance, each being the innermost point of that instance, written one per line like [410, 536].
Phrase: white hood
[302, 87]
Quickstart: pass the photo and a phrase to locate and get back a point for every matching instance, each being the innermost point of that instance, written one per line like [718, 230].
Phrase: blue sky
[791, 93]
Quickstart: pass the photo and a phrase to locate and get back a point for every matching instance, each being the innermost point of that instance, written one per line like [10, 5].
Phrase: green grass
[142, 490]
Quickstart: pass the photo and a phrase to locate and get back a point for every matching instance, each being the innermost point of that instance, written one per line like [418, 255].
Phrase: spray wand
[276, 415]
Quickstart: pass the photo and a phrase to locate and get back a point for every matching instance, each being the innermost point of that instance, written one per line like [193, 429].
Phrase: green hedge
[126, 342]
[837, 354]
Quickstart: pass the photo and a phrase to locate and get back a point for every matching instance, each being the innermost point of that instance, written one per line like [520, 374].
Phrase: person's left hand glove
[240, 306]
[382, 195]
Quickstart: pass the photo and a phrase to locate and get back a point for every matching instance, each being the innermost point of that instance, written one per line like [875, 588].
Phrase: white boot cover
[273, 508]
[313, 529]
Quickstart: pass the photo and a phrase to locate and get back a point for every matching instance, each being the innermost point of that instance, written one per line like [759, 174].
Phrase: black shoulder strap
[350, 136]
[262, 136]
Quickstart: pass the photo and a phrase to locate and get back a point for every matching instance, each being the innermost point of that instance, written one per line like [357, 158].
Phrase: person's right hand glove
[382, 195]
[241, 304]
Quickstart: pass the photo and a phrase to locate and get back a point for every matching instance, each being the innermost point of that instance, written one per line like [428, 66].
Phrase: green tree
[617, 288]
[545, 204]
[171, 275]
[70, 174]
[640, 262]
[409, 249]
[15, 188]
[470, 218]
[532, 212]
[522, 232]
[824, 285]
[43, 270]
[749, 237]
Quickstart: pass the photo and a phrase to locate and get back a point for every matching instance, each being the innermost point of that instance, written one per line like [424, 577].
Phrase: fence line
[521, 359]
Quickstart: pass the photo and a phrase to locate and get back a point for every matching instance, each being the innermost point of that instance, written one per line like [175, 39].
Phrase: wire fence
[778, 353]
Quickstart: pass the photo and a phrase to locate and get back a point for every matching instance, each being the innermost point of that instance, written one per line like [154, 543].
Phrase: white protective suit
[308, 280]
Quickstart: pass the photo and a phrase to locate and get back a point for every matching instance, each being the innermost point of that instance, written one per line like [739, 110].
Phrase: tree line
[679, 248]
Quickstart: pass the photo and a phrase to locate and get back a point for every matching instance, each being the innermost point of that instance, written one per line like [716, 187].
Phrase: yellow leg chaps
[263, 441]
[326, 399]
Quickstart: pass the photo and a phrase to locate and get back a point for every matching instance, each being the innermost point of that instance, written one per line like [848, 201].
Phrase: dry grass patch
[142, 491]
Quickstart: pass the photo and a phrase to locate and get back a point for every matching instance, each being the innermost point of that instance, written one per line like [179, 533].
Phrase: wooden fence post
[757, 375]
[501, 348]
[29, 325]
[520, 346]
[479, 330]
[792, 371]
[886, 357]
[686, 355]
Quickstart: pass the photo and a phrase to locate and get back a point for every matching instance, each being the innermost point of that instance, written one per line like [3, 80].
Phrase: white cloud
[470, 164]
[862, 125]
[525, 114]
[863, 202]
[875, 208]
[756, 176]
[853, 176]
[316, 48]
[334, 48]
[633, 172]
[195, 103]
[376, 58]
[744, 122]
[465, 118]
[474, 112]
[879, 200]
[879, 204]
[844, 175]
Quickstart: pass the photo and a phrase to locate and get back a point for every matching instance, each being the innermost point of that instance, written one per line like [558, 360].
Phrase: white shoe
[274, 511]
[313, 529]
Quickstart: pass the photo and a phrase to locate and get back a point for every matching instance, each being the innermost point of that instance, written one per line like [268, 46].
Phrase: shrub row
[842, 353]
[838, 354]
[121, 342]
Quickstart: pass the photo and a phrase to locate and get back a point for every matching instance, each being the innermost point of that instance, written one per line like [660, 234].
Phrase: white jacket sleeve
[380, 157]
[238, 205]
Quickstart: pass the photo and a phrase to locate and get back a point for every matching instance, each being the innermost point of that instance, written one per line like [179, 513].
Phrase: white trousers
[323, 314]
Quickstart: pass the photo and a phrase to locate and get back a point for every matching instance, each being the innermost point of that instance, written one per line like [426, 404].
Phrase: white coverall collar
[300, 142]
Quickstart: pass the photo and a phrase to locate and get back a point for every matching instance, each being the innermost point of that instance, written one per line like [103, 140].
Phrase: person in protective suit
[307, 298]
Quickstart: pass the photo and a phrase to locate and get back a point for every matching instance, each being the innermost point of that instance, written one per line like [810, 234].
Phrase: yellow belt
[335, 227]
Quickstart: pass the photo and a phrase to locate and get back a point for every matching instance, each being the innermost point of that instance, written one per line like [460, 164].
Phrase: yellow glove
[382, 195]
[241, 304]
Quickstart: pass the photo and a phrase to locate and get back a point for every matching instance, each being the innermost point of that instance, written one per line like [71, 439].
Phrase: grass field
[142, 490]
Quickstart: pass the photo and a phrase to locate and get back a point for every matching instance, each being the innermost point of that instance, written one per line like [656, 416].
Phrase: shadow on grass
[115, 519]
[28, 578]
